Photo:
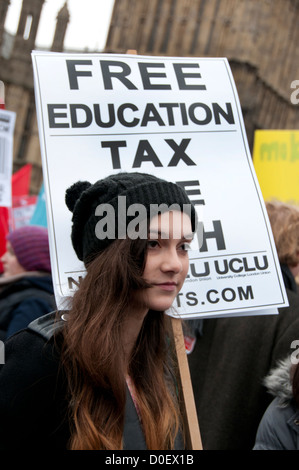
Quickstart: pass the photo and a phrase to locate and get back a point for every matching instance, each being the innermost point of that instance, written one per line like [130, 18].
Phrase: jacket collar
[278, 381]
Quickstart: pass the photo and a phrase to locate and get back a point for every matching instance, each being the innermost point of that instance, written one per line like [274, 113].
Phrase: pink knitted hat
[31, 247]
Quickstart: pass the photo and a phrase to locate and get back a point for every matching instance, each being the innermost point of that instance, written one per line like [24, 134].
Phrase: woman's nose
[171, 261]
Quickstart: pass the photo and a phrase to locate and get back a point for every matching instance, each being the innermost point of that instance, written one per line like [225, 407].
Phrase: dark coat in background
[227, 366]
[23, 299]
[279, 427]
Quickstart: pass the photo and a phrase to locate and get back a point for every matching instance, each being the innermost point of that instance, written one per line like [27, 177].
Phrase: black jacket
[279, 427]
[33, 405]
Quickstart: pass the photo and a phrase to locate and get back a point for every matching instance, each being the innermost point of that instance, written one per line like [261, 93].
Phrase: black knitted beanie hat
[83, 198]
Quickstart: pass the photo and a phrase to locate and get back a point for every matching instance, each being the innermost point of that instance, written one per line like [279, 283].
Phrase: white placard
[179, 119]
[7, 124]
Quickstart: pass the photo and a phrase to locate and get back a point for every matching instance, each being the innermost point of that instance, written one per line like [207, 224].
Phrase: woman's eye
[185, 247]
[152, 244]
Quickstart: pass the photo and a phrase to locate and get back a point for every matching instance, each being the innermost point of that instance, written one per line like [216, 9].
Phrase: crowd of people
[102, 374]
[232, 356]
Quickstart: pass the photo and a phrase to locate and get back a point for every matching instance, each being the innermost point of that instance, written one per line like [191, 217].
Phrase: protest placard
[179, 119]
[276, 163]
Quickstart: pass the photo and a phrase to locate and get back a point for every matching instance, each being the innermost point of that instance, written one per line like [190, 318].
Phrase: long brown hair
[93, 356]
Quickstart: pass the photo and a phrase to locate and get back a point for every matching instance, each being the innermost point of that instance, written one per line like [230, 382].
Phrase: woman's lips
[168, 286]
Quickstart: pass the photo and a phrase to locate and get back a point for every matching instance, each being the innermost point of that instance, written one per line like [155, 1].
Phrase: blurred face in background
[11, 265]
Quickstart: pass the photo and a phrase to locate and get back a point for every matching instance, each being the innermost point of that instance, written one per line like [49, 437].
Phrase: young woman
[102, 378]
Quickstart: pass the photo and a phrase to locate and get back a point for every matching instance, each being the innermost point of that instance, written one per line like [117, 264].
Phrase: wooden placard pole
[188, 408]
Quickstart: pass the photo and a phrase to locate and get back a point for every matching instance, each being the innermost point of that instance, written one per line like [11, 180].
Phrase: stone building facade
[17, 74]
[259, 38]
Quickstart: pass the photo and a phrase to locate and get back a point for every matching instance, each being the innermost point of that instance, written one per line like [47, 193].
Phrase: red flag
[2, 101]
[21, 181]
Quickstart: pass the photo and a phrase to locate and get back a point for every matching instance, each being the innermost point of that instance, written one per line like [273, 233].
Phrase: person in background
[26, 288]
[100, 376]
[279, 426]
[231, 356]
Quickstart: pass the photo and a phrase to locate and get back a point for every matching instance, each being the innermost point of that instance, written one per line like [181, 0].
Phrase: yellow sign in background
[276, 162]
